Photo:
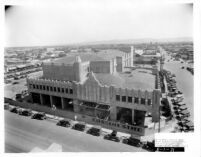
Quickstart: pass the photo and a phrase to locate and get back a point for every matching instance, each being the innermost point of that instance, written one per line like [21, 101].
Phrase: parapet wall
[58, 71]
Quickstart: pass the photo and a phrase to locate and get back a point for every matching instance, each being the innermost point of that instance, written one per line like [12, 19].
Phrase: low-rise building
[101, 86]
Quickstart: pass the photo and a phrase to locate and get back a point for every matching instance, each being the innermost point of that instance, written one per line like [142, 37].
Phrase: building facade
[77, 88]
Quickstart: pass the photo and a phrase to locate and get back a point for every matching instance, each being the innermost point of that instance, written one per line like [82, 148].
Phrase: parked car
[39, 116]
[132, 141]
[150, 146]
[112, 137]
[64, 123]
[6, 106]
[96, 131]
[79, 126]
[25, 112]
[15, 83]
[14, 110]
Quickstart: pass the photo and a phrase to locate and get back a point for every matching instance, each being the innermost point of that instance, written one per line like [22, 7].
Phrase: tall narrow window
[58, 89]
[136, 100]
[71, 91]
[149, 102]
[143, 101]
[123, 98]
[117, 97]
[129, 99]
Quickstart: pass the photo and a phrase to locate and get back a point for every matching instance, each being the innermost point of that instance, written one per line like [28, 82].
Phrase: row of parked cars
[81, 126]
[28, 112]
[97, 131]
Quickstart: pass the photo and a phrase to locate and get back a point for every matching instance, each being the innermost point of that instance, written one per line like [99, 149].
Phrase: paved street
[184, 82]
[22, 134]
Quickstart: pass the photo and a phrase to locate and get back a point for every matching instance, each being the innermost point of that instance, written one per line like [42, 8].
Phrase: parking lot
[22, 134]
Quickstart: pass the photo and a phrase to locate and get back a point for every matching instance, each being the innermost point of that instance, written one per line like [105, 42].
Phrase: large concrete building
[102, 86]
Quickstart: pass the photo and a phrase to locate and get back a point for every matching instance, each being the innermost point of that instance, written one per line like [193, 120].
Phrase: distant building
[146, 56]
[100, 87]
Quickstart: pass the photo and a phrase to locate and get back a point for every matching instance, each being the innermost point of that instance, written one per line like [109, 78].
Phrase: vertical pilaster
[41, 99]
[133, 114]
[51, 102]
[113, 114]
[62, 102]
[31, 97]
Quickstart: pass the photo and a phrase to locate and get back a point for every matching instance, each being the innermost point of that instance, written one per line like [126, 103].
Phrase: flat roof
[104, 55]
[142, 79]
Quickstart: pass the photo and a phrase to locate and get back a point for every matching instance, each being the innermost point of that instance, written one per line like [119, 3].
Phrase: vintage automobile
[150, 146]
[25, 112]
[79, 126]
[96, 131]
[112, 137]
[132, 141]
[63, 123]
[39, 116]
[14, 110]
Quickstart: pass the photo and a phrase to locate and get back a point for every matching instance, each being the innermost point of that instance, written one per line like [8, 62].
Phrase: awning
[103, 107]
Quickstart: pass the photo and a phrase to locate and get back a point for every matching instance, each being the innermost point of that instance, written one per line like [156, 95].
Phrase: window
[58, 89]
[143, 101]
[34, 86]
[62, 90]
[136, 100]
[47, 88]
[117, 97]
[51, 89]
[37, 86]
[129, 99]
[71, 91]
[66, 90]
[43, 87]
[149, 102]
[55, 89]
[124, 98]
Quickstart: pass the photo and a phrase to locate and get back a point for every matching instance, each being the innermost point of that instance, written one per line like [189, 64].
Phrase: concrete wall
[119, 67]
[58, 72]
[93, 91]
[100, 66]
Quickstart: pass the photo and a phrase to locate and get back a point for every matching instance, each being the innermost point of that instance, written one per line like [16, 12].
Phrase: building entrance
[36, 98]
[124, 115]
[56, 101]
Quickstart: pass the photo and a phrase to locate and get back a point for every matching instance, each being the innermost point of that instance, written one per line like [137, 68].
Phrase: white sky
[96, 21]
